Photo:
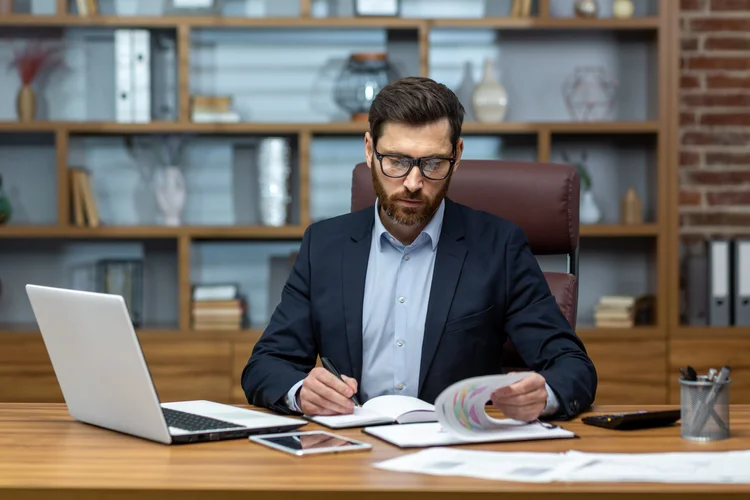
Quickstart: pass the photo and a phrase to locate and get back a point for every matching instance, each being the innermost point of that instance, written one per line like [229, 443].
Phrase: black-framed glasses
[435, 168]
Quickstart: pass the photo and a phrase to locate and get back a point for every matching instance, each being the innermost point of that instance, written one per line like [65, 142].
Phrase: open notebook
[462, 419]
[389, 409]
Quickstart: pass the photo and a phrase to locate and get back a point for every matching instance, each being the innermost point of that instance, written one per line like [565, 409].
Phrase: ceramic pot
[587, 8]
[170, 193]
[589, 210]
[26, 104]
[489, 100]
[623, 9]
[274, 170]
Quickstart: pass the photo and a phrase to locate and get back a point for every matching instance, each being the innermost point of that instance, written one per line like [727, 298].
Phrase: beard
[408, 216]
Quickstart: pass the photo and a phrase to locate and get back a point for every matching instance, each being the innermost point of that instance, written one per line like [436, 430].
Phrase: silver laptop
[106, 382]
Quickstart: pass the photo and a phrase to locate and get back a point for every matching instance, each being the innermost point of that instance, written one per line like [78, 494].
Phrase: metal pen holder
[704, 409]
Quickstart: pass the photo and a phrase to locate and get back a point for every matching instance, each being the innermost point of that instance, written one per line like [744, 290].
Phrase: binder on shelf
[742, 282]
[719, 258]
[133, 75]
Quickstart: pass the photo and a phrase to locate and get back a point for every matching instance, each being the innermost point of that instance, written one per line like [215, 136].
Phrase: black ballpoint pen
[328, 365]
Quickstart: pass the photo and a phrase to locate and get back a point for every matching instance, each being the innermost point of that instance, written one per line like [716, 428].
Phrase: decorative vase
[170, 193]
[360, 81]
[631, 211]
[274, 170]
[5, 208]
[586, 8]
[26, 104]
[623, 9]
[490, 100]
[589, 210]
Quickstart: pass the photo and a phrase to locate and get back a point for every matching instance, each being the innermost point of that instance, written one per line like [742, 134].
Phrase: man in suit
[416, 292]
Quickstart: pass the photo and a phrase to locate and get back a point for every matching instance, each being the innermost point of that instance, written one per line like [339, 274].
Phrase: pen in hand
[328, 365]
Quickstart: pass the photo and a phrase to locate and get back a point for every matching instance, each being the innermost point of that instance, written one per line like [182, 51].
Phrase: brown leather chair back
[541, 198]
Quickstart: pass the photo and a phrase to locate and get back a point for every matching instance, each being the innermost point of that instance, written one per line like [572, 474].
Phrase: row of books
[624, 311]
[85, 211]
[218, 307]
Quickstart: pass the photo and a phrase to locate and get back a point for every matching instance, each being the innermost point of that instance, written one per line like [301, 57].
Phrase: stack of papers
[732, 467]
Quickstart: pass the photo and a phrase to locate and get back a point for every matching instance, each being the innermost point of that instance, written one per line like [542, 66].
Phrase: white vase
[171, 193]
[274, 169]
[589, 211]
[623, 9]
[490, 100]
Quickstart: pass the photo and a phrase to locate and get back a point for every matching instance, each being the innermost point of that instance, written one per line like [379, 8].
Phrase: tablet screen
[309, 440]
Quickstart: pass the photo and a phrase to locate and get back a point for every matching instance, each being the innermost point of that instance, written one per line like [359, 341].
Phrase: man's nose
[414, 180]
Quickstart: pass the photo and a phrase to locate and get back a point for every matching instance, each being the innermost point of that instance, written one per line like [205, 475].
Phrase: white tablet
[302, 443]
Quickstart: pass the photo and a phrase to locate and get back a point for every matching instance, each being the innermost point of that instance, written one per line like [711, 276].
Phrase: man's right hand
[324, 394]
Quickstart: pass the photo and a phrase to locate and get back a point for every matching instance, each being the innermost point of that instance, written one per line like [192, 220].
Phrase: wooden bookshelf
[189, 364]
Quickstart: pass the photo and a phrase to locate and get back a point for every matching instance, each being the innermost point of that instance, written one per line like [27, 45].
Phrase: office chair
[541, 198]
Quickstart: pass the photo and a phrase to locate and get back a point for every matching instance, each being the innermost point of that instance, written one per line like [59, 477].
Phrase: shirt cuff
[290, 400]
[553, 404]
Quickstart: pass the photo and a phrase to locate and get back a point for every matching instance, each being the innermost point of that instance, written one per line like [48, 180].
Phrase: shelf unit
[643, 349]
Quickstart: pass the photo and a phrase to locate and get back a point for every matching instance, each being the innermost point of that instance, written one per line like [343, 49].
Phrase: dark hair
[415, 100]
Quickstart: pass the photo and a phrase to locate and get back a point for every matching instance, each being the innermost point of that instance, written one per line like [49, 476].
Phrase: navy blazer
[487, 286]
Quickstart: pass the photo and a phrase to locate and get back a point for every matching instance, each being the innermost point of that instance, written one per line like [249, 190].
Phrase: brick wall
[715, 116]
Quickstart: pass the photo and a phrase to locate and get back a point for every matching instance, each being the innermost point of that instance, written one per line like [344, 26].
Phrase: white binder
[720, 296]
[133, 75]
[742, 282]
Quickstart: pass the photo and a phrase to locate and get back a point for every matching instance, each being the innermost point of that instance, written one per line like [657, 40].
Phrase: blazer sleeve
[542, 335]
[286, 352]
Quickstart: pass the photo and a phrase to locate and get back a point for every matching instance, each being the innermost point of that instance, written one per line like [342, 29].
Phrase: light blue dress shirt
[397, 291]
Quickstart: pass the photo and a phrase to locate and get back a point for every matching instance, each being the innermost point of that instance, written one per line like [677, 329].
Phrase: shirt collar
[431, 230]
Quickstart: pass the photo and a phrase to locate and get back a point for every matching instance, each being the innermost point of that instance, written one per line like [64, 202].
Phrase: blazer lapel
[354, 273]
[451, 252]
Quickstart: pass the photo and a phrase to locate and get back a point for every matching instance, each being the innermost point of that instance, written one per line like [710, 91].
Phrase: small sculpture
[587, 8]
[171, 191]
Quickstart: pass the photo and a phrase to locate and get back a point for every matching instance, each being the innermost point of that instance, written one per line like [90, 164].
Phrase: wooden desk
[45, 454]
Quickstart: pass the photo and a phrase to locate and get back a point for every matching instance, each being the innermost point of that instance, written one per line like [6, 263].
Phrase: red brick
[689, 44]
[716, 100]
[728, 82]
[716, 138]
[728, 198]
[726, 43]
[688, 118]
[718, 62]
[690, 82]
[690, 158]
[690, 197]
[714, 24]
[728, 159]
[719, 177]
[686, 5]
[725, 5]
[716, 219]
[727, 119]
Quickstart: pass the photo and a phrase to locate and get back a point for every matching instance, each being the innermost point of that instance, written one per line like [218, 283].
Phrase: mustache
[408, 195]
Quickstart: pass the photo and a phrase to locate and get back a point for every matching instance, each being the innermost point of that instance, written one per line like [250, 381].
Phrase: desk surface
[45, 454]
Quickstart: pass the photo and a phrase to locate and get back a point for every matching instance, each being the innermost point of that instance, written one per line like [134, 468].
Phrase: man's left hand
[524, 400]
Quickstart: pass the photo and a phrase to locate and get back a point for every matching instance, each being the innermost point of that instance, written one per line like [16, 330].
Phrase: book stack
[218, 307]
[615, 311]
[82, 199]
[212, 109]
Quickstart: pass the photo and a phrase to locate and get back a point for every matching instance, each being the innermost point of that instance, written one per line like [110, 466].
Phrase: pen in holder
[704, 407]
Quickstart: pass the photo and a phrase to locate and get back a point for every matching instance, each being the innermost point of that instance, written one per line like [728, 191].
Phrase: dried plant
[32, 59]
[580, 165]
[158, 150]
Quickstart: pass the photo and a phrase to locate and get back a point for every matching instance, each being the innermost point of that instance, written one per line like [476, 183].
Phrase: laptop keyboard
[192, 422]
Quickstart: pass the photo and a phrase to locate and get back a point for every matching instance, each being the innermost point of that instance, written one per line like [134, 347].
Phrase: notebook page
[393, 405]
[360, 417]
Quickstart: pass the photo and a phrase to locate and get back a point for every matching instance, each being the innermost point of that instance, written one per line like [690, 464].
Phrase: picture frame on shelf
[193, 7]
[377, 8]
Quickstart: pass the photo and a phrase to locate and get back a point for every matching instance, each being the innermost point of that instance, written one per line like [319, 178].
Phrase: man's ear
[459, 152]
[368, 149]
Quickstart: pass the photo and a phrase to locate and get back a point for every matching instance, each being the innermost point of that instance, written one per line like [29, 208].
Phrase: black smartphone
[643, 419]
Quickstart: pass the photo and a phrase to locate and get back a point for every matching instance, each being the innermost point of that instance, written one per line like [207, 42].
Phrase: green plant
[580, 166]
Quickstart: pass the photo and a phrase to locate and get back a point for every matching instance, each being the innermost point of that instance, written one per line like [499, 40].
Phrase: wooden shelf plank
[340, 128]
[27, 20]
[24, 20]
[636, 333]
[708, 332]
[639, 23]
[153, 232]
[619, 230]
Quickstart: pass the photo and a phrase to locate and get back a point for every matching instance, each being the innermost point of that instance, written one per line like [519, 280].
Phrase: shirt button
[400, 387]
[401, 299]
[400, 342]
[406, 257]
